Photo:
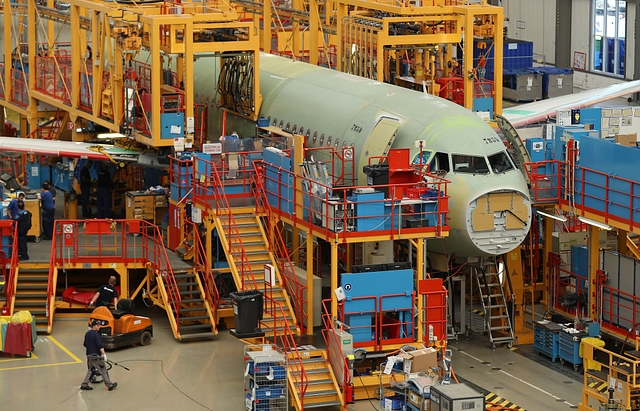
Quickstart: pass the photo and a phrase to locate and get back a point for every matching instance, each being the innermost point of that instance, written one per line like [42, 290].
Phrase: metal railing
[281, 254]
[105, 242]
[335, 355]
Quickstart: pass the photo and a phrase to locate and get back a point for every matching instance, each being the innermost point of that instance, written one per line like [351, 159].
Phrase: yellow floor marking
[33, 356]
[75, 360]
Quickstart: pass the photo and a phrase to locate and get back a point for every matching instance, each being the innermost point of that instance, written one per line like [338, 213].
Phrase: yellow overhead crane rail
[124, 60]
[373, 39]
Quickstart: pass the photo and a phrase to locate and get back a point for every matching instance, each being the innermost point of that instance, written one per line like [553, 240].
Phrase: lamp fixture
[551, 215]
[111, 135]
[595, 223]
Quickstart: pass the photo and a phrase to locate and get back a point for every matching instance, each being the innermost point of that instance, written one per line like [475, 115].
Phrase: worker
[103, 193]
[52, 190]
[12, 208]
[48, 212]
[106, 294]
[24, 225]
[96, 357]
[85, 188]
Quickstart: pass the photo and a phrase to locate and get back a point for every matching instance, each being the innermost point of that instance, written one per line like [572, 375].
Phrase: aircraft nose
[499, 220]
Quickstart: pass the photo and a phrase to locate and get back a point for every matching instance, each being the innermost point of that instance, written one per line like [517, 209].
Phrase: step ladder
[194, 319]
[494, 304]
[322, 389]
[247, 263]
[31, 294]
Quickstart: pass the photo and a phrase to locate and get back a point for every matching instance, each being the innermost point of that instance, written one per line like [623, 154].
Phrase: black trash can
[247, 310]
[378, 174]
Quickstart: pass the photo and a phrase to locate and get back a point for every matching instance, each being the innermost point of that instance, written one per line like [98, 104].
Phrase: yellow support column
[334, 278]
[546, 277]
[310, 291]
[422, 275]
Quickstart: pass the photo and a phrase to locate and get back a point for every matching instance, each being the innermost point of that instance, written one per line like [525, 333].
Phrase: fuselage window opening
[275, 121]
[500, 162]
[315, 137]
[329, 140]
[469, 164]
[439, 163]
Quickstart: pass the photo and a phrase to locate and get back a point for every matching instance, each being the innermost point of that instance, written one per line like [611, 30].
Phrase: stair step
[502, 339]
[316, 382]
[193, 317]
[36, 287]
[193, 301]
[313, 359]
[192, 309]
[321, 404]
[183, 276]
[187, 284]
[194, 336]
[318, 394]
[192, 327]
[189, 292]
[497, 317]
[502, 327]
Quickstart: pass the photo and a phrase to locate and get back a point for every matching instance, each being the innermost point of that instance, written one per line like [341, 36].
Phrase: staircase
[322, 388]
[31, 294]
[245, 245]
[494, 303]
[195, 318]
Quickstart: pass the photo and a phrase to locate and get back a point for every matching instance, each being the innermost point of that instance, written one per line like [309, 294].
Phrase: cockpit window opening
[439, 163]
[463, 163]
[500, 162]
[426, 156]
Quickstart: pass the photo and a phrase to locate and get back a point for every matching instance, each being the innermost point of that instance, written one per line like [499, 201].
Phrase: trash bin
[378, 174]
[247, 310]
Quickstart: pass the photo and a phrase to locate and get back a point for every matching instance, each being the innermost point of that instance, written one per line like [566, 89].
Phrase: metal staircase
[246, 249]
[494, 304]
[195, 318]
[31, 293]
[321, 386]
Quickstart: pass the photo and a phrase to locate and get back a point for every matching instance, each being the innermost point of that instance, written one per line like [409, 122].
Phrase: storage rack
[265, 378]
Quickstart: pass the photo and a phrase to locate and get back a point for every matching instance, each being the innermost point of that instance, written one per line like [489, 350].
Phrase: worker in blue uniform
[23, 220]
[12, 208]
[96, 357]
[48, 212]
[103, 192]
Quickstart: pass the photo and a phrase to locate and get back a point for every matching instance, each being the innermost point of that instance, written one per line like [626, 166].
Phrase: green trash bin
[247, 311]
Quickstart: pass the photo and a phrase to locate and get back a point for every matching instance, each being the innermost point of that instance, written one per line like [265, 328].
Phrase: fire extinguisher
[349, 394]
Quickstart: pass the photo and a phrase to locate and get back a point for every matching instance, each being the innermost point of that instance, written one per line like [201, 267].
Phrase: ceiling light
[554, 216]
[595, 223]
[111, 135]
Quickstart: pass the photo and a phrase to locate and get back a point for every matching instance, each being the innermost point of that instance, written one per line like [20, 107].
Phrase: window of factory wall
[609, 33]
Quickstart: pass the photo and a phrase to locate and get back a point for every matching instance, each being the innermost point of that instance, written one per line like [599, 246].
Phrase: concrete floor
[208, 374]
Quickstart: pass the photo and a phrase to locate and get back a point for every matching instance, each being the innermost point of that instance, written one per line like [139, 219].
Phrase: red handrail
[70, 246]
[285, 339]
[212, 183]
[334, 348]
[204, 268]
[277, 246]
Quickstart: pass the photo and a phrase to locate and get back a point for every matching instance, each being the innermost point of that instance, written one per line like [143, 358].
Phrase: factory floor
[208, 374]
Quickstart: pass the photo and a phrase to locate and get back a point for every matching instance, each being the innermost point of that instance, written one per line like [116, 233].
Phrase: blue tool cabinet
[569, 345]
[546, 339]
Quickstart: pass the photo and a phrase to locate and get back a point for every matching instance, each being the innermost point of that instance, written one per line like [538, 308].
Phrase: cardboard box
[419, 360]
[629, 140]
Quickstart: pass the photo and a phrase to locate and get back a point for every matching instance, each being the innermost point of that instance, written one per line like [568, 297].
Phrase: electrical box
[456, 397]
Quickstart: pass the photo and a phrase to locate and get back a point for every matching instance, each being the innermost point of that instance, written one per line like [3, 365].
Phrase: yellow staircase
[320, 387]
[195, 318]
[245, 245]
[31, 293]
